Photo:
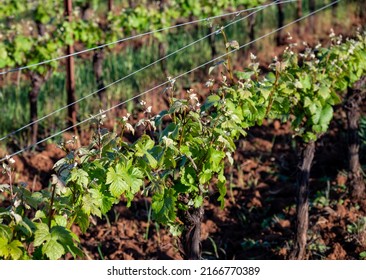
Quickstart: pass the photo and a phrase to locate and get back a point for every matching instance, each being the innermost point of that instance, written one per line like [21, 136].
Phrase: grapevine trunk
[163, 63]
[191, 237]
[312, 20]
[98, 58]
[37, 82]
[252, 20]
[211, 40]
[354, 99]
[70, 72]
[302, 210]
[299, 14]
[281, 19]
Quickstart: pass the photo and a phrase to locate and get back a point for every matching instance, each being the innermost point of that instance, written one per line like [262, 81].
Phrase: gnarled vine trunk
[312, 20]
[132, 4]
[299, 15]
[334, 9]
[162, 48]
[191, 236]
[281, 19]
[162, 53]
[70, 73]
[302, 207]
[362, 11]
[252, 21]
[352, 107]
[36, 83]
[98, 59]
[110, 5]
[334, 13]
[299, 9]
[211, 41]
[41, 28]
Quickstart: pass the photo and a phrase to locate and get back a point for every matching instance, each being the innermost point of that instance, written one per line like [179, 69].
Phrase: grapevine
[181, 156]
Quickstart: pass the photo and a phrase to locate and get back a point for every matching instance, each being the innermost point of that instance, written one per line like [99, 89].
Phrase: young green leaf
[80, 177]
[52, 249]
[116, 180]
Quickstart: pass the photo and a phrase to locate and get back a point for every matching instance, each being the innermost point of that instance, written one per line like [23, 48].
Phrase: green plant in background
[28, 42]
[317, 249]
[249, 244]
[357, 231]
[321, 199]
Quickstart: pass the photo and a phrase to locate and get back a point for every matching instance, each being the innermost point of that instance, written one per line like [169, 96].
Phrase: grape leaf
[324, 92]
[41, 235]
[115, 178]
[222, 188]
[326, 116]
[135, 179]
[14, 249]
[210, 101]
[164, 206]
[5, 232]
[4, 252]
[80, 177]
[52, 249]
[82, 219]
[107, 202]
[11, 249]
[92, 201]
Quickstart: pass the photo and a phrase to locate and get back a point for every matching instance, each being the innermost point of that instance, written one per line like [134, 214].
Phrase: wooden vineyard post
[70, 71]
